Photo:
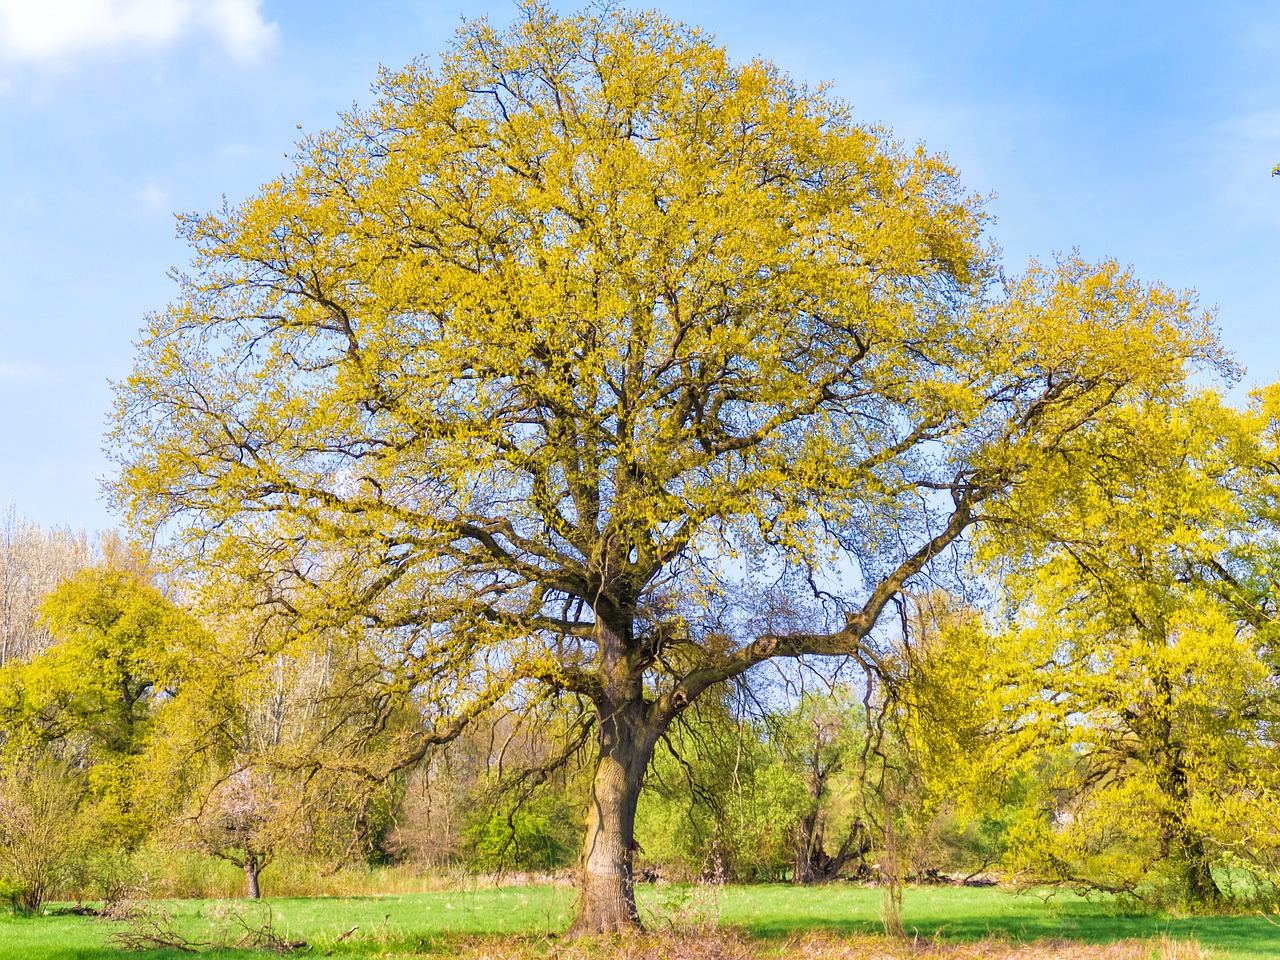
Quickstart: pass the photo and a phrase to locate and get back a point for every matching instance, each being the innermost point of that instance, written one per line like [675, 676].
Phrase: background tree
[823, 736]
[120, 650]
[719, 801]
[32, 562]
[947, 720]
[1130, 652]
[490, 379]
[233, 753]
[507, 794]
[247, 817]
[440, 798]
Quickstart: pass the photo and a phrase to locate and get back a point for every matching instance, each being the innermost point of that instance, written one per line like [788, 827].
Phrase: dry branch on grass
[149, 925]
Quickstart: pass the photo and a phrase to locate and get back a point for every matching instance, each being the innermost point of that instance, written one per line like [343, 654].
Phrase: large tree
[527, 370]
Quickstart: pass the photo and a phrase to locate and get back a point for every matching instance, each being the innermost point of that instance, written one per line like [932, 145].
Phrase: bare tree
[32, 562]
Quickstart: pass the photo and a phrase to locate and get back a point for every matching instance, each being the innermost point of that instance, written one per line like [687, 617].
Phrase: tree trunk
[252, 867]
[1180, 842]
[606, 891]
[1197, 872]
[606, 896]
[808, 837]
[813, 864]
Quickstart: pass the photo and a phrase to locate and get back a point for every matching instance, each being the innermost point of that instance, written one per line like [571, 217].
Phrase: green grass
[958, 913]
[400, 924]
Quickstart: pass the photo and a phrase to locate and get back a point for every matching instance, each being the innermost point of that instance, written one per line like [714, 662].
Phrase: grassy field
[436, 922]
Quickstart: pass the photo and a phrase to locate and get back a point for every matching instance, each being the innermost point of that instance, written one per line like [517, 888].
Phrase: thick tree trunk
[252, 867]
[1179, 840]
[1203, 888]
[1197, 871]
[606, 895]
[1185, 849]
[627, 734]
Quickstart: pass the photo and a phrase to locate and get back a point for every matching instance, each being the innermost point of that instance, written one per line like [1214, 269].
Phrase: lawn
[424, 923]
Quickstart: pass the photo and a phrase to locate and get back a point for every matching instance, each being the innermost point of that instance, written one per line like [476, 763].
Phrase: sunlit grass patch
[836, 922]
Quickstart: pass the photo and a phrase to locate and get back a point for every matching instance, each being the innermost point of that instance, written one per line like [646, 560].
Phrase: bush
[39, 835]
[526, 839]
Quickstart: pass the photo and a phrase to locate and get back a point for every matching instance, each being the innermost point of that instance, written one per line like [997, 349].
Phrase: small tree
[39, 802]
[246, 819]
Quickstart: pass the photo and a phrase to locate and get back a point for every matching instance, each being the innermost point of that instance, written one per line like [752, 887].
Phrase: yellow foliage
[549, 323]
[1134, 643]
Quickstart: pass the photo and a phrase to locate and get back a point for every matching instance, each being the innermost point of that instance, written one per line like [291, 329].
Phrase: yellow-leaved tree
[518, 368]
[1142, 641]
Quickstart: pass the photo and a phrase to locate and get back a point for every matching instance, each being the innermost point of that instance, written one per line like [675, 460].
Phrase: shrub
[39, 836]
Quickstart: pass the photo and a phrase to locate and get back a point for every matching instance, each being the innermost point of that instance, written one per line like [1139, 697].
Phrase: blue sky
[1140, 130]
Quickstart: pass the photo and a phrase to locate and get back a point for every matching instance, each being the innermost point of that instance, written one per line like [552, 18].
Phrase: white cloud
[38, 30]
[240, 25]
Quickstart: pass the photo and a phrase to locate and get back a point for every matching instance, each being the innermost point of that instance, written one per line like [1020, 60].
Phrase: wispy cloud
[235, 152]
[20, 372]
[33, 31]
[154, 196]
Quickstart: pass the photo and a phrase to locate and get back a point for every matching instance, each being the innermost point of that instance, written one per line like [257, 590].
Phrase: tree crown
[507, 361]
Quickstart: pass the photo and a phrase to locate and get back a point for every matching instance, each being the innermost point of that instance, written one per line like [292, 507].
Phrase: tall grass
[191, 875]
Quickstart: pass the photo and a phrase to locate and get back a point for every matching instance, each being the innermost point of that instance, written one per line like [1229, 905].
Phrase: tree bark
[627, 735]
[1179, 839]
[1197, 870]
[252, 867]
[1181, 843]
[606, 895]
[808, 841]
